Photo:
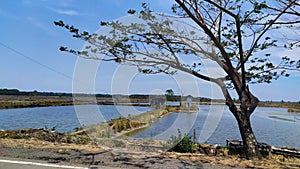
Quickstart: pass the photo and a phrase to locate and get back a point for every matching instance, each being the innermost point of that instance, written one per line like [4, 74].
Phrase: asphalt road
[20, 164]
[7, 163]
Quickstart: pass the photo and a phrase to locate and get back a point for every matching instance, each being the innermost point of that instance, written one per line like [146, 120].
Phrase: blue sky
[30, 59]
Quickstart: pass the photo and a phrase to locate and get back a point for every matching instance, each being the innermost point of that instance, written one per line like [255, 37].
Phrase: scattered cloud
[66, 3]
[65, 12]
[293, 54]
[9, 15]
[38, 24]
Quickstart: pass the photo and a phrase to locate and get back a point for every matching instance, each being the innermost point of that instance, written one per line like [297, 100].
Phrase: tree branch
[229, 101]
[222, 8]
[241, 52]
[227, 66]
[170, 48]
[264, 31]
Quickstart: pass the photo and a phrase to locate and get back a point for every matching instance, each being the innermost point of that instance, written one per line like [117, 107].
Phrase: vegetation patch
[293, 110]
[181, 144]
[121, 124]
[45, 135]
[281, 118]
[282, 104]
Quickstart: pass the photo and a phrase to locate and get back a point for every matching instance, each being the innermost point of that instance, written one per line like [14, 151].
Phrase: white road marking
[41, 164]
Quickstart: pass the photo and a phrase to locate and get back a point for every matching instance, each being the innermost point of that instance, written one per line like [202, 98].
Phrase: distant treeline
[133, 96]
[31, 93]
[37, 93]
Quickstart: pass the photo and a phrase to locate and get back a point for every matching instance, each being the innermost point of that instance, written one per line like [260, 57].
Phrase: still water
[213, 124]
[64, 118]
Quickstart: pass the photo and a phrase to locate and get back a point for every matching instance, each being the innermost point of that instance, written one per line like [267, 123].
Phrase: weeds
[181, 144]
[50, 129]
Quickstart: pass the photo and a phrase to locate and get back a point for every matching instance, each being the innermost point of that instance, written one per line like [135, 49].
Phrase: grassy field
[292, 106]
[7, 102]
[19, 101]
[23, 101]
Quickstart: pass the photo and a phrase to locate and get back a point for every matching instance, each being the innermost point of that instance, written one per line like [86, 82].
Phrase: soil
[83, 154]
[34, 147]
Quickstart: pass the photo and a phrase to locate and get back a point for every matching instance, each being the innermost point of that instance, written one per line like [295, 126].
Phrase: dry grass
[276, 161]
[39, 144]
[122, 126]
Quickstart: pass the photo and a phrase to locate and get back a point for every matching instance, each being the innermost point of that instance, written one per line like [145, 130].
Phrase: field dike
[92, 146]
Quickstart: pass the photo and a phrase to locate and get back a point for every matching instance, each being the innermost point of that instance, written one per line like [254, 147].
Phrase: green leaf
[63, 48]
[103, 23]
[59, 23]
[85, 33]
[131, 11]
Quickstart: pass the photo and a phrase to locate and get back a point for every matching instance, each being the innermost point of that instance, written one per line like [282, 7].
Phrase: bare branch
[222, 8]
[227, 65]
[265, 30]
[170, 48]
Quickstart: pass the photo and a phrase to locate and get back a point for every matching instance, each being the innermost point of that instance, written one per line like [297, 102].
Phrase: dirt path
[105, 158]
[89, 155]
[102, 156]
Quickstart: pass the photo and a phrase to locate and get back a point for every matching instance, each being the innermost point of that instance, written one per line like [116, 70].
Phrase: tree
[169, 95]
[239, 33]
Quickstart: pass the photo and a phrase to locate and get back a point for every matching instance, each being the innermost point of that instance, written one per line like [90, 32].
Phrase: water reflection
[274, 131]
[274, 126]
[64, 118]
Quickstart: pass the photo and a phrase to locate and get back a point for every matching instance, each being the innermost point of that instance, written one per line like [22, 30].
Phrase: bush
[17, 137]
[182, 144]
[50, 129]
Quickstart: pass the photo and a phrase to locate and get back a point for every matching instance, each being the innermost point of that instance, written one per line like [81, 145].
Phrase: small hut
[157, 101]
[189, 101]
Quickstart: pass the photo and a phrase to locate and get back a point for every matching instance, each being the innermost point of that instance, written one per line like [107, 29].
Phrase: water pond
[213, 124]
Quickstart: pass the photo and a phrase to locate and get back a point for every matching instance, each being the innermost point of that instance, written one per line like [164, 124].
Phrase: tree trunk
[242, 115]
[248, 137]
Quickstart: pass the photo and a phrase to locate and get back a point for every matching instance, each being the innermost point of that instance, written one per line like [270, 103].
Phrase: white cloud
[38, 24]
[9, 15]
[66, 3]
[294, 54]
[65, 12]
